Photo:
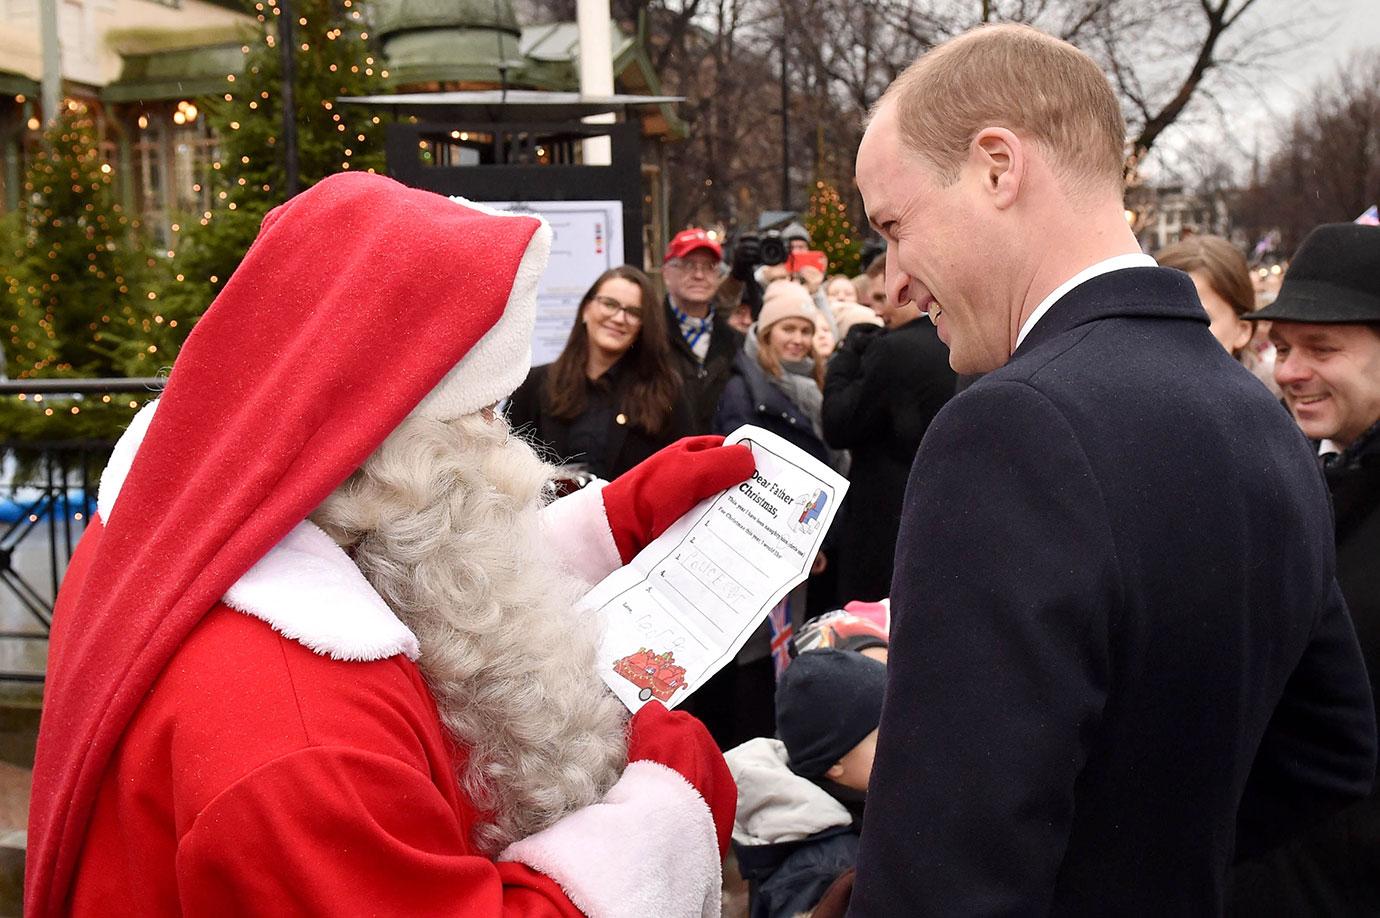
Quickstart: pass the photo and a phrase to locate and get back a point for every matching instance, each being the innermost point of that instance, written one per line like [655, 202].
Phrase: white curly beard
[444, 521]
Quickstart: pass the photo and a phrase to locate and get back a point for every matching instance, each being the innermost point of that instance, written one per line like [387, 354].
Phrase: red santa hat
[360, 302]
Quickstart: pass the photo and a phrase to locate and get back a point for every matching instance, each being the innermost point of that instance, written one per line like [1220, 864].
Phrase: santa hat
[360, 302]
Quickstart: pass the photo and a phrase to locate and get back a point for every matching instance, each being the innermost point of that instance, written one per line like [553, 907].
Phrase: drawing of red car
[655, 674]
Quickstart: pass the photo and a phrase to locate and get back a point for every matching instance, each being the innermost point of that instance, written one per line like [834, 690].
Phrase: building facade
[146, 67]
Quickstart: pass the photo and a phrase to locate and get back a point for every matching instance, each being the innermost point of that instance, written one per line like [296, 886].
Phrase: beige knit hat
[786, 299]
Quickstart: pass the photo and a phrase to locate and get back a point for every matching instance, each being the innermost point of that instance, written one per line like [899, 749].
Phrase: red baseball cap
[690, 240]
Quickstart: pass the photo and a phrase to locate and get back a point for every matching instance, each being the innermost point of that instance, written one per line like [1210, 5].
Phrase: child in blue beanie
[800, 796]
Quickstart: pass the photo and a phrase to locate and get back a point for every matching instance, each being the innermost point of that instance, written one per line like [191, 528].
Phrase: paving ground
[735, 900]
[19, 710]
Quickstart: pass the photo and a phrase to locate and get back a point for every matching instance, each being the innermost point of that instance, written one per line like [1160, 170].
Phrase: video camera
[771, 248]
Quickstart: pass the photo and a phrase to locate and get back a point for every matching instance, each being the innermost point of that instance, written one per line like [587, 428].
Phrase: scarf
[694, 330]
[797, 381]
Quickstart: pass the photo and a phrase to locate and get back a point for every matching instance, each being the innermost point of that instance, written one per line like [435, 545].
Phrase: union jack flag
[781, 630]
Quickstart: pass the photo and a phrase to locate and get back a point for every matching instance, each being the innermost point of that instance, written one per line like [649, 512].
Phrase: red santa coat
[283, 756]
[261, 778]
[265, 775]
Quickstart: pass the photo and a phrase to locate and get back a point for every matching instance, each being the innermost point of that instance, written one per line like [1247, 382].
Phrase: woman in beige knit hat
[778, 378]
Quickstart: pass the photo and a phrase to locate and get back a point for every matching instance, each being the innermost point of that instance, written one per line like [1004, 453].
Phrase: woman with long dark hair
[612, 397]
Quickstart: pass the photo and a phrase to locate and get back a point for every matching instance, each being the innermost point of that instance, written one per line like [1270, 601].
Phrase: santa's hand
[644, 501]
[681, 743]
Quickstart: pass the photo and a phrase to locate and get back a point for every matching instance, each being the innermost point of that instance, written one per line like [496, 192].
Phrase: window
[172, 169]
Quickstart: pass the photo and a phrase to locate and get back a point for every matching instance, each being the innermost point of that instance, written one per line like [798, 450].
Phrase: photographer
[758, 260]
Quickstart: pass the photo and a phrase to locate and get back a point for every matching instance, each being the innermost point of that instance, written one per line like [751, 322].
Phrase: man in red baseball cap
[703, 342]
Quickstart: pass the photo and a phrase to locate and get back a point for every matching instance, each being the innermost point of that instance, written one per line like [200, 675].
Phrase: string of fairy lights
[341, 65]
[73, 250]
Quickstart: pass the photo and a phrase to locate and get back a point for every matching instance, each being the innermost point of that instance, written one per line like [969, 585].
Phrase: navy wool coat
[1119, 654]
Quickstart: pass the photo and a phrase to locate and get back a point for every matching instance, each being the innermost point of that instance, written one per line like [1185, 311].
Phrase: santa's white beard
[444, 521]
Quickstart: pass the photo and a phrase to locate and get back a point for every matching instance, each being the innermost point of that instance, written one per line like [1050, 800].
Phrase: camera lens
[773, 250]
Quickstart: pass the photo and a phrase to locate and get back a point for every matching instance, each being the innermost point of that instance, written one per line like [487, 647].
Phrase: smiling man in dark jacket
[1325, 325]
[1119, 651]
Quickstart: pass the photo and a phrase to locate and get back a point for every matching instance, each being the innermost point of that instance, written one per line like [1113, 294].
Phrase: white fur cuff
[648, 849]
[576, 531]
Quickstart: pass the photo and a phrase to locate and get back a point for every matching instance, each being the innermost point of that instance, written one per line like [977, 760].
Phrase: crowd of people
[1091, 634]
[735, 342]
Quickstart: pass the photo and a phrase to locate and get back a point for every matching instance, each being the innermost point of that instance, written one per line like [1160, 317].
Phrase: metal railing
[47, 493]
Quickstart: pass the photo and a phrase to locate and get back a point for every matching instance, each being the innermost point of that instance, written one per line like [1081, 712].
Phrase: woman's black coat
[615, 444]
[750, 398]
[882, 391]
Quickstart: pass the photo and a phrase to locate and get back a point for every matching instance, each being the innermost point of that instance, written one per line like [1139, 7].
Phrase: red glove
[681, 743]
[644, 501]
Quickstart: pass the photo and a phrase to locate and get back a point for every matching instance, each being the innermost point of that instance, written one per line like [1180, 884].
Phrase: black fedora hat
[1334, 277]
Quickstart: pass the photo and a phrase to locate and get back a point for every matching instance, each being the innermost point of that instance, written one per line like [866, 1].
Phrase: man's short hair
[1019, 78]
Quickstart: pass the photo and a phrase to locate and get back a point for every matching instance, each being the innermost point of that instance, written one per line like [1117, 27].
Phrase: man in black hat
[1326, 331]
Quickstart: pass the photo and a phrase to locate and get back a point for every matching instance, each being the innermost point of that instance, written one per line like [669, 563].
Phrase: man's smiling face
[936, 254]
[1330, 376]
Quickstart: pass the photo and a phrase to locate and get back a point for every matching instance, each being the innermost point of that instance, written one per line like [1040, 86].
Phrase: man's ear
[1244, 332]
[1000, 159]
[835, 771]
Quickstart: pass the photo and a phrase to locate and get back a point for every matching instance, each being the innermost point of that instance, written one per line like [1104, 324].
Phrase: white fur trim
[576, 530]
[305, 587]
[121, 458]
[309, 590]
[499, 361]
[648, 849]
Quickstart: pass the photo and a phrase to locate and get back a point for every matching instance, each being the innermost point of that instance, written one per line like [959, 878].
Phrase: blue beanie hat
[828, 701]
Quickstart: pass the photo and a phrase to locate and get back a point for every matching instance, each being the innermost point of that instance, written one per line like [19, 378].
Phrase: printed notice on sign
[688, 601]
[586, 240]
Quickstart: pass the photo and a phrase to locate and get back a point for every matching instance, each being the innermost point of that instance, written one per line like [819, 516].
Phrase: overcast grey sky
[1354, 24]
[1254, 112]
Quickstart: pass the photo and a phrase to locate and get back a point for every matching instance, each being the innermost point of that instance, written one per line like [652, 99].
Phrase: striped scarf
[694, 330]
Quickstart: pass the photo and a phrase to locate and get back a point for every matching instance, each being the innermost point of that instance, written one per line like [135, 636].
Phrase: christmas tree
[830, 230]
[74, 284]
[331, 59]
[72, 273]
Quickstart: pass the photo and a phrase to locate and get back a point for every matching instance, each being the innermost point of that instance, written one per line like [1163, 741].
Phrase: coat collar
[1131, 293]
[1353, 477]
[305, 587]
[764, 394]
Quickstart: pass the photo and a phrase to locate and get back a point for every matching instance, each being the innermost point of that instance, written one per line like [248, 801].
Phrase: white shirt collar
[1327, 446]
[1115, 263]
